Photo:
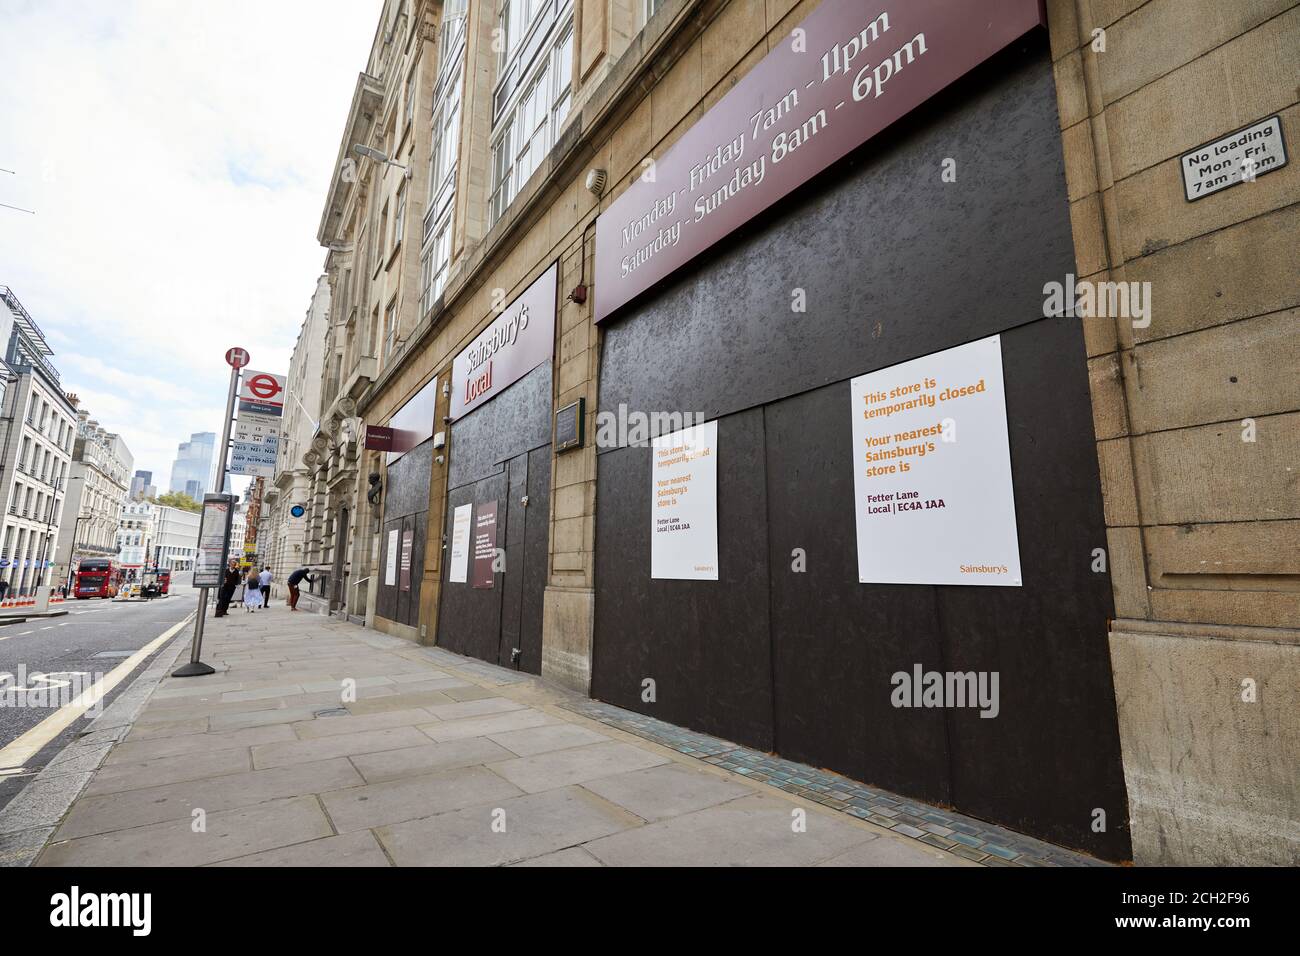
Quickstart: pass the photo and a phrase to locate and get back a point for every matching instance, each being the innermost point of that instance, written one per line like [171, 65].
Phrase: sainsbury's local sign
[521, 338]
[844, 74]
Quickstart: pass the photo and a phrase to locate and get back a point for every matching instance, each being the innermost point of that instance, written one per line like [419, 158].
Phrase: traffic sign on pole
[237, 357]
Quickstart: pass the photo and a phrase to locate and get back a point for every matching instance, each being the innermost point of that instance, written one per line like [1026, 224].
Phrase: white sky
[177, 154]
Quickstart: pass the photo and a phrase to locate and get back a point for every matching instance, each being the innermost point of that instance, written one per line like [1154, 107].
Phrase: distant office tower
[193, 463]
[141, 481]
[194, 490]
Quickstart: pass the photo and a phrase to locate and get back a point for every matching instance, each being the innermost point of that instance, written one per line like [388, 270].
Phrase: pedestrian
[294, 580]
[264, 585]
[4, 589]
[252, 592]
[227, 590]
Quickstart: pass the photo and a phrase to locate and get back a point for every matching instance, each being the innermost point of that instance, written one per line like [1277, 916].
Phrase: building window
[426, 280]
[399, 218]
[529, 127]
[435, 264]
[652, 7]
[444, 145]
[390, 329]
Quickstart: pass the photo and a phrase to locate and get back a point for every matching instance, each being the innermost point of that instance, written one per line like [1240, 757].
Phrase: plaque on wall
[570, 425]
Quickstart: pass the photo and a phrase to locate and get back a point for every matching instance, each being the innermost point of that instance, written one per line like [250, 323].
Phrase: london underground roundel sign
[237, 357]
[264, 386]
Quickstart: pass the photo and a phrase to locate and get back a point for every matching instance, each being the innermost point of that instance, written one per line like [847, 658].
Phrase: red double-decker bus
[96, 578]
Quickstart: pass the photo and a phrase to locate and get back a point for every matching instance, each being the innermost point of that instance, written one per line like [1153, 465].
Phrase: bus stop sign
[237, 357]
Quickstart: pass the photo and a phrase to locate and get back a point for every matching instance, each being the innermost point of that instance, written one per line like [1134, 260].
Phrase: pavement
[321, 743]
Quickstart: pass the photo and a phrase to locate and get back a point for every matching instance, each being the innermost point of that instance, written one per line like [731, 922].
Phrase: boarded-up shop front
[409, 458]
[774, 293]
[499, 485]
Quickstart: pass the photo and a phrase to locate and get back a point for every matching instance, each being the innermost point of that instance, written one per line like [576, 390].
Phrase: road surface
[45, 662]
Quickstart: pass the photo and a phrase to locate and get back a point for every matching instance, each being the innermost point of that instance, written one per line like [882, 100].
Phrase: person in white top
[264, 585]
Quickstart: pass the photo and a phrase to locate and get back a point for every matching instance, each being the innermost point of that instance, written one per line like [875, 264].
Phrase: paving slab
[753, 831]
[202, 690]
[229, 834]
[398, 701]
[491, 724]
[534, 825]
[475, 708]
[574, 856]
[563, 768]
[422, 675]
[330, 684]
[341, 745]
[439, 683]
[350, 849]
[332, 726]
[261, 718]
[412, 761]
[171, 710]
[409, 798]
[471, 692]
[537, 740]
[266, 693]
[134, 751]
[164, 770]
[666, 791]
[136, 808]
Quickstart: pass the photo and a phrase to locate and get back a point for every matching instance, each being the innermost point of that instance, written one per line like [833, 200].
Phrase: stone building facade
[1195, 414]
[1153, 455]
[37, 431]
[98, 487]
[283, 534]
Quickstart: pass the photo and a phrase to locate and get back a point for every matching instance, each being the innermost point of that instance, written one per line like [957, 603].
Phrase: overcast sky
[177, 155]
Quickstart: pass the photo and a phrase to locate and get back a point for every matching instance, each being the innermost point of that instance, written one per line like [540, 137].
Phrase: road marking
[23, 748]
[50, 628]
[63, 624]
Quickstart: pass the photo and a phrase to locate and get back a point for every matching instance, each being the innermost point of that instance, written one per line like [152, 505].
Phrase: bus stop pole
[196, 667]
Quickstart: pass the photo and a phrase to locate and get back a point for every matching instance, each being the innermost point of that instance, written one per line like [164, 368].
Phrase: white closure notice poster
[684, 504]
[932, 471]
[459, 570]
[390, 564]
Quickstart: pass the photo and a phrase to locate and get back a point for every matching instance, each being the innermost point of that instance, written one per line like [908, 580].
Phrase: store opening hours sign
[849, 71]
[932, 471]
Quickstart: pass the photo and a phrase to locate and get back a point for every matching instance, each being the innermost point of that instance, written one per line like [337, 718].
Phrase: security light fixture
[378, 157]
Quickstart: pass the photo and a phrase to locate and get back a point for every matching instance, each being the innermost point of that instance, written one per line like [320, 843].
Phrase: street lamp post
[45, 538]
[72, 554]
